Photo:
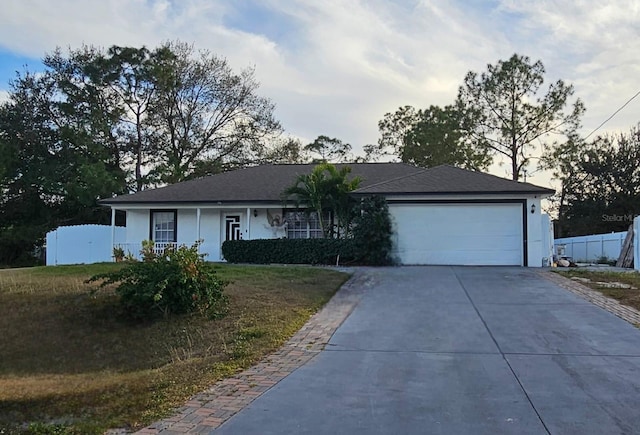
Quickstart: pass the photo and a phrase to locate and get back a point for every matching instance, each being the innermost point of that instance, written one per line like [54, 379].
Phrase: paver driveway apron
[457, 350]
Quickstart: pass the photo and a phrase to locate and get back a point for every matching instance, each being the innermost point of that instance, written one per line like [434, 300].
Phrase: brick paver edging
[208, 410]
[629, 314]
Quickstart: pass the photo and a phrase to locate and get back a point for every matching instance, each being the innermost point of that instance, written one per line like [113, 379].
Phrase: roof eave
[201, 201]
[545, 192]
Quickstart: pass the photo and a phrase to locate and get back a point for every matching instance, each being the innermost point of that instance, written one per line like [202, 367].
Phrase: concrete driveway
[462, 350]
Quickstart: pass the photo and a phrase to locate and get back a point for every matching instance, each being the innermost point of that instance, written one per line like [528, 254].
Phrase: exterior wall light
[255, 213]
[533, 208]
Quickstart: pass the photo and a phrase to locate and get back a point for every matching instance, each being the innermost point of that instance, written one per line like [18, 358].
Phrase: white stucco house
[442, 215]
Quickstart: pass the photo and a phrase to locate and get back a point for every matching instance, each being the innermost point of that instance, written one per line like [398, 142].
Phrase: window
[301, 225]
[163, 226]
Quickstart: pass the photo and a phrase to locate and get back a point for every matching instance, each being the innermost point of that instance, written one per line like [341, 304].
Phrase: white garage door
[460, 234]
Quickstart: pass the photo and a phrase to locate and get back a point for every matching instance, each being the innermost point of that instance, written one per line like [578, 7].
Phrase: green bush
[371, 243]
[372, 231]
[174, 282]
[289, 251]
[18, 244]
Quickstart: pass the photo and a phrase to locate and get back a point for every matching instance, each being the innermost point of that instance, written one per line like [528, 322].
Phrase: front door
[232, 229]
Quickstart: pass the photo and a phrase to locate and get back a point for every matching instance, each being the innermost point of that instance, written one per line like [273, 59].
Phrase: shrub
[118, 253]
[289, 251]
[372, 231]
[176, 281]
[18, 245]
[371, 243]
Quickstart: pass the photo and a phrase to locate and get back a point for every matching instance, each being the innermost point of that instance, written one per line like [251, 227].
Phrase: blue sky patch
[259, 19]
[11, 62]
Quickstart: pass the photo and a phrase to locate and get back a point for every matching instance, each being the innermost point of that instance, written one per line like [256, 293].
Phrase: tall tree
[327, 149]
[284, 150]
[206, 115]
[393, 130]
[23, 211]
[78, 107]
[166, 114]
[55, 174]
[427, 138]
[438, 137]
[563, 162]
[505, 109]
[124, 78]
[600, 184]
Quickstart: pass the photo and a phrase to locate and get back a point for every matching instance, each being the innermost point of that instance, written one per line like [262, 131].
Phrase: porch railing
[134, 249]
[160, 247]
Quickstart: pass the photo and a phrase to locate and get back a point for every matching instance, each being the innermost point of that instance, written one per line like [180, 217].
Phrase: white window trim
[152, 224]
[308, 219]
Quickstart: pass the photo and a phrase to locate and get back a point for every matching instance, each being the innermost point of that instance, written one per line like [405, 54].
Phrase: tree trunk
[515, 172]
[138, 154]
[319, 213]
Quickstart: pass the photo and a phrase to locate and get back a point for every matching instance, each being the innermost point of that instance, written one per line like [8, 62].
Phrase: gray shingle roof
[254, 184]
[266, 183]
[447, 179]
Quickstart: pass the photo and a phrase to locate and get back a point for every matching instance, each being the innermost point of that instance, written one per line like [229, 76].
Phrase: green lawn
[629, 297]
[69, 360]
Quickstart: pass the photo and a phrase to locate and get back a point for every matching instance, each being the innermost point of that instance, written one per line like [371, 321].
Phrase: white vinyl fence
[82, 244]
[547, 240]
[590, 248]
[636, 243]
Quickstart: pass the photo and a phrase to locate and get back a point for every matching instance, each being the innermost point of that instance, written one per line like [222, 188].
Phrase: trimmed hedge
[289, 251]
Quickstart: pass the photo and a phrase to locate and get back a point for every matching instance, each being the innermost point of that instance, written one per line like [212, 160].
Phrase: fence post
[636, 243]
[586, 250]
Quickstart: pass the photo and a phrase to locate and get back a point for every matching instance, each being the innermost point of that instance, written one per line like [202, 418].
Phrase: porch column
[248, 223]
[198, 226]
[113, 230]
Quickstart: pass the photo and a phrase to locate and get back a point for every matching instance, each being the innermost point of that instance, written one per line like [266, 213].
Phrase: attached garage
[460, 233]
[451, 216]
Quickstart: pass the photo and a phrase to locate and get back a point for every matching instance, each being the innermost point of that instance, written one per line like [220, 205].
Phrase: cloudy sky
[336, 67]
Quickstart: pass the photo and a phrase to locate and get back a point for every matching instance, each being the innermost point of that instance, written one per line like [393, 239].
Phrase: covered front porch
[169, 226]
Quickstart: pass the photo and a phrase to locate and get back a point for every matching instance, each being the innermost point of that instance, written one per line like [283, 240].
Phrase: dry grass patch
[72, 363]
[629, 297]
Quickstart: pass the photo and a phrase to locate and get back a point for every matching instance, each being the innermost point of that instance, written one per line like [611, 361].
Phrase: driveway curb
[209, 409]
[629, 314]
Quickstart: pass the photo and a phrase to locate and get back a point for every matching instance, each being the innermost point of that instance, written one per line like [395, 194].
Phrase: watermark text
[617, 217]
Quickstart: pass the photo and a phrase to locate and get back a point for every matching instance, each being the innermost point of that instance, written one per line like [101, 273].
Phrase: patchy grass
[629, 297]
[71, 363]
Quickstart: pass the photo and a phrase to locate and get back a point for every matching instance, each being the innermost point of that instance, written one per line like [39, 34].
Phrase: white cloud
[339, 65]
[592, 45]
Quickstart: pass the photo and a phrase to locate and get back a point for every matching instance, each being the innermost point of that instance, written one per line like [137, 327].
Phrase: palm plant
[342, 203]
[325, 188]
